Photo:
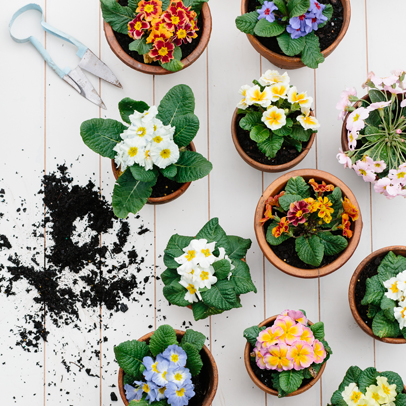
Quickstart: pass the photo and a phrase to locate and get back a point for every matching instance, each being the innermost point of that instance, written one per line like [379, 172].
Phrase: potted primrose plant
[294, 33]
[308, 223]
[369, 387]
[377, 295]
[167, 367]
[373, 133]
[286, 355]
[273, 127]
[157, 37]
[153, 152]
[207, 272]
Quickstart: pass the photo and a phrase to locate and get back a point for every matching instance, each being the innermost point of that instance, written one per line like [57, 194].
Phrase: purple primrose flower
[266, 11]
[299, 26]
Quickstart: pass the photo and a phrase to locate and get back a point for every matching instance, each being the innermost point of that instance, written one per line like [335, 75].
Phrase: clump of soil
[327, 35]
[124, 41]
[165, 186]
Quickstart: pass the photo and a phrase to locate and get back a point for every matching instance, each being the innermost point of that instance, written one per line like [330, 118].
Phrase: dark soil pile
[124, 41]
[82, 268]
[327, 35]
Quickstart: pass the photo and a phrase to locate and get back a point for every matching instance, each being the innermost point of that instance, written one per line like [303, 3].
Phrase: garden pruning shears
[74, 77]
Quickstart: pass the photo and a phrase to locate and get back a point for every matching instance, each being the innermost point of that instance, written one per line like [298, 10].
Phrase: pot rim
[263, 167]
[278, 185]
[399, 250]
[162, 199]
[262, 386]
[213, 384]
[158, 70]
[288, 61]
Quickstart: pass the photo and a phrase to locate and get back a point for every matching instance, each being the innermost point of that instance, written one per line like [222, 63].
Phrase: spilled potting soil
[90, 262]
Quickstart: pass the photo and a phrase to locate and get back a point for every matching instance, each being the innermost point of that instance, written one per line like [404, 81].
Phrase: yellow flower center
[274, 118]
[164, 374]
[175, 357]
[165, 153]
[356, 118]
[146, 154]
[299, 213]
[204, 276]
[356, 396]
[377, 165]
[138, 26]
[133, 151]
[149, 8]
[362, 172]
[158, 139]
[182, 33]
[178, 376]
[141, 131]
[192, 271]
[394, 288]
[309, 120]
[403, 313]
[175, 20]
[190, 255]
[401, 175]
[162, 390]
[385, 389]
[191, 289]
[163, 51]
[155, 368]
[258, 96]
[180, 392]
[375, 396]
[206, 252]
[145, 388]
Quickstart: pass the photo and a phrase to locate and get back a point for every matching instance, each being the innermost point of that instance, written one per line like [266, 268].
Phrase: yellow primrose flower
[274, 118]
[279, 91]
[313, 204]
[353, 396]
[255, 96]
[301, 98]
[271, 77]
[373, 397]
[387, 392]
[243, 91]
[308, 122]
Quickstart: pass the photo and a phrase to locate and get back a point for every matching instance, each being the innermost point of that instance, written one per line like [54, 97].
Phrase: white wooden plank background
[41, 116]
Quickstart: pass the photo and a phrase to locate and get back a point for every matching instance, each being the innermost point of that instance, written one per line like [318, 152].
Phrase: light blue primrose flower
[132, 393]
[179, 376]
[163, 366]
[150, 389]
[266, 11]
[179, 396]
[175, 354]
[151, 368]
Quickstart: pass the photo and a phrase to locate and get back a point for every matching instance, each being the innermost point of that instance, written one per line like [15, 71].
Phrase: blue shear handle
[40, 48]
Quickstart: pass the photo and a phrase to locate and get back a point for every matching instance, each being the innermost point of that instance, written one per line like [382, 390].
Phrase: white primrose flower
[243, 91]
[353, 396]
[302, 99]
[271, 77]
[204, 252]
[307, 121]
[274, 118]
[140, 128]
[394, 292]
[222, 255]
[400, 315]
[192, 295]
[129, 152]
[164, 154]
[401, 277]
[388, 392]
[148, 163]
[255, 96]
[279, 91]
[147, 115]
[206, 277]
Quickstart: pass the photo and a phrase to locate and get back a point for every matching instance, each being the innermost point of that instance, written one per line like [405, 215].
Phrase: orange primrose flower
[345, 226]
[274, 200]
[321, 187]
[267, 215]
[313, 205]
[350, 209]
[161, 33]
[324, 209]
[149, 9]
[282, 227]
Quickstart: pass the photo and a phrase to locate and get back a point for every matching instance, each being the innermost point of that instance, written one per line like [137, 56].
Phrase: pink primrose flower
[296, 213]
[276, 358]
[395, 90]
[352, 139]
[375, 166]
[355, 121]
[380, 82]
[378, 105]
[344, 102]
[301, 354]
[403, 103]
[259, 357]
[307, 336]
[291, 330]
[397, 176]
[362, 169]
[319, 352]
[387, 188]
[344, 159]
[269, 336]
[298, 316]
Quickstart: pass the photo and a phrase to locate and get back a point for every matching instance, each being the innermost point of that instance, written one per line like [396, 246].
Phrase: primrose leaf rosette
[292, 348]
[369, 388]
[208, 272]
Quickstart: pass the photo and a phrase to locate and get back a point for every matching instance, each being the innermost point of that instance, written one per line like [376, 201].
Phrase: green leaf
[400, 399]
[333, 244]
[335, 198]
[174, 249]
[101, 135]
[318, 330]
[222, 269]
[144, 402]
[175, 294]
[387, 304]
[177, 53]
[290, 380]
[195, 338]
[276, 384]
[127, 107]
[213, 232]
[393, 379]
[259, 133]
[298, 186]
[289, 46]
[374, 291]
[286, 200]
[382, 327]
[271, 145]
[130, 195]
[372, 310]
[351, 376]
[128, 379]
[328, 12]
[298, 7]
[221, 296]
[403, 331]
[141, 174]
[281, 6]
[376, 96]
[129, 355]
[390, 266]
[202, 311]
[162, 338]
[250, 120]
[283, 132]
[337, 398]
[367, 378]
[251, 334]
[238, 247]
[299, 133]
[196, 5]
[179, 101]
[117, 16]
[174, 65]
[140, 46]
[311, 55]
[192, 166]
[264, 28]
[270, 237]
[310, 250]
[194, 360]
[133, 4]
[247, 22]
[241, 279]
[169, 275]
[186, 127]
[170, 171]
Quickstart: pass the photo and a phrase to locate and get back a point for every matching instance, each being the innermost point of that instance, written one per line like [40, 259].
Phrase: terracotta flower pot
[163, 199]
[278, 185]
[263, 167]
[207, 359]
[293, 62]
[204, 35]
[304, 388]
[398, 250]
